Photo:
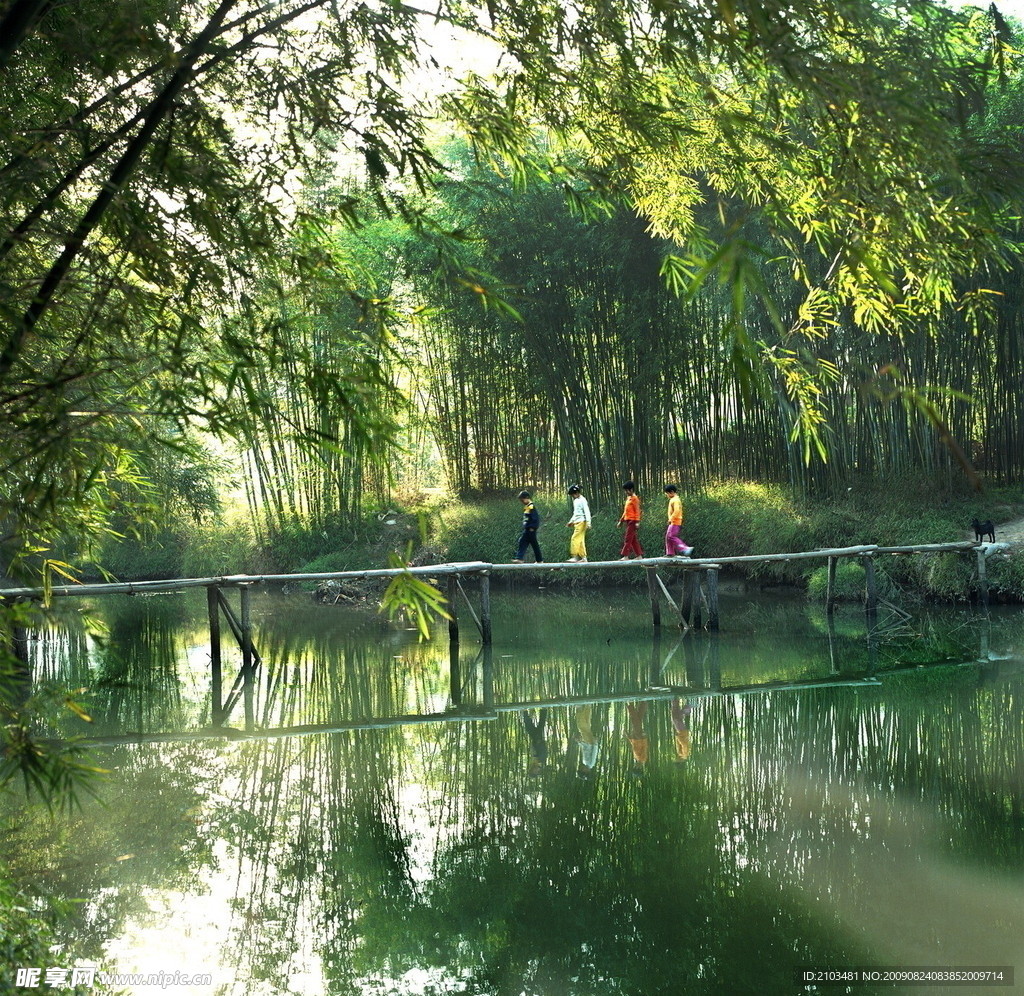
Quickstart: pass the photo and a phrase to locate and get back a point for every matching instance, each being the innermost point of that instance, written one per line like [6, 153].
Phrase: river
[586, 810]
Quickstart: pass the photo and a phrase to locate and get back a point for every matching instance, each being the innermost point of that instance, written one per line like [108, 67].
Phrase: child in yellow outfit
[674, 545]
[580, 523]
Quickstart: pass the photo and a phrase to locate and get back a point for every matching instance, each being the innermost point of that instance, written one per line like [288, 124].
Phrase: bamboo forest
[511, 499]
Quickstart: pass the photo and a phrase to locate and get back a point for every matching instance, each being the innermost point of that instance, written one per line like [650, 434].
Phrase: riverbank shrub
[948, 577]
[849, 585]
[229, 545]
[1006, 576]
[220, 548]
[27, 934]
[850, 580]
[734, 518]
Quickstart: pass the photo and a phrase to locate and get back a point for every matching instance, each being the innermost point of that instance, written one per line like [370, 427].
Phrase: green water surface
[695, 813]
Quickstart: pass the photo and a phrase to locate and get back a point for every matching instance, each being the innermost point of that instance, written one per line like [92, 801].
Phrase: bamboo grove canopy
[159, 257]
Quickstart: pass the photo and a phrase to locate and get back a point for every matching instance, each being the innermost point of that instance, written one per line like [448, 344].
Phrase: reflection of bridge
[695, 603]
[473, 698]
[487, 709]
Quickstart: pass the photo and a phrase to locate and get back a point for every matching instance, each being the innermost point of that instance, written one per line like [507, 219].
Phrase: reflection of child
[631, 515]
[637, 735]
[588, 742]
[531, 523]
[681, 726]
[538, 745]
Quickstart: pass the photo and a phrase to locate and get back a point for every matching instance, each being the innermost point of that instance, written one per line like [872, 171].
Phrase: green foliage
[1006, 576]
[218, 548]
[409, 597]
[28, 935]
[948, 577]
[36, 751]
[156, 554]
[849, 582]
[165, 310]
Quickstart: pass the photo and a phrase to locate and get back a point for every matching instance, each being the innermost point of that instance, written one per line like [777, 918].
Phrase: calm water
[588, 811]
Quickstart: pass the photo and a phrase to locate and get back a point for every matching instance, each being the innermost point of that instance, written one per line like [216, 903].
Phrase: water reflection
[615, 821]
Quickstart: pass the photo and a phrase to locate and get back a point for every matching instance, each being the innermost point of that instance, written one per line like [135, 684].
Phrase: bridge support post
[830, 590]
[485, 608]
[982, 567]
[216, 693]
[247, 665]
[453, 622]
[870, 585]
[652, 589]
[712, 576]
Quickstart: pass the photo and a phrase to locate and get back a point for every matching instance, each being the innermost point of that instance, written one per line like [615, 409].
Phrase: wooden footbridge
[694, 603]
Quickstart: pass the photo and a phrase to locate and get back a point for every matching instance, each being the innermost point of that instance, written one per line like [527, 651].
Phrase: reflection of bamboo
[323, 837]
[138, 684]
[324, 847]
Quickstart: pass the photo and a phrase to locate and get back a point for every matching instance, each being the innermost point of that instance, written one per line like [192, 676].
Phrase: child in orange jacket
[631, 516]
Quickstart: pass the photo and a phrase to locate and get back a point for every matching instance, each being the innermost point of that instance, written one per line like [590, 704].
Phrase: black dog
[983, 530]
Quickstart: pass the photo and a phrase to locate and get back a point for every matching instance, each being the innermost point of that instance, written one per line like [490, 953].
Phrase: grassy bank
[737, 518]
[726, 519]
